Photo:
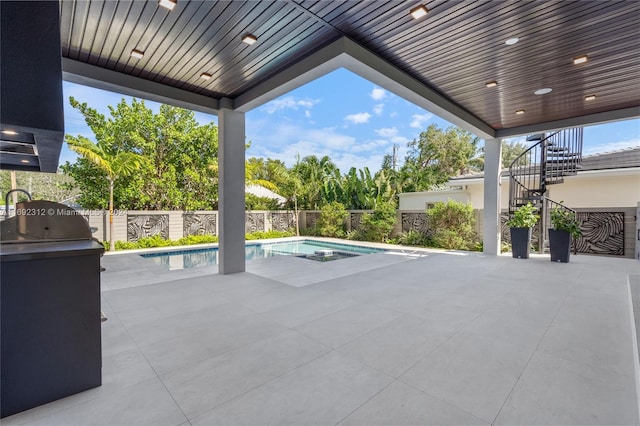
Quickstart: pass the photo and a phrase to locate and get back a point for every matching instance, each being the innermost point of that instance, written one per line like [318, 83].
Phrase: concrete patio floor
[443, 338]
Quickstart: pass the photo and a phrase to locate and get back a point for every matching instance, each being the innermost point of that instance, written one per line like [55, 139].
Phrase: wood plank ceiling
[456, 49]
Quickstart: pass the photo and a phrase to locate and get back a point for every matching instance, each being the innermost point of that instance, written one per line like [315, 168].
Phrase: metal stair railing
[524, 178]
[563, 155]
[544, 163]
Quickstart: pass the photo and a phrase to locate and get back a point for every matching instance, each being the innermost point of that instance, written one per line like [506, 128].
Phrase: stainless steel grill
[40, 221]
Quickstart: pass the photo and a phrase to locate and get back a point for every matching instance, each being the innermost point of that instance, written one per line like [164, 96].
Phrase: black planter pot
[559, 245]
[520, 242]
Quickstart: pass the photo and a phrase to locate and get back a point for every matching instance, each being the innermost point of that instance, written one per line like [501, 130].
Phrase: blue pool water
[185, 259]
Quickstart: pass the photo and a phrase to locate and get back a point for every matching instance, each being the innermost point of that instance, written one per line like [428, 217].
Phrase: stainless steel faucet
[6, 199]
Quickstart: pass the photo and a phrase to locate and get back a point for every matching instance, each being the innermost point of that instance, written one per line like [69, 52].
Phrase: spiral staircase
[547, 162]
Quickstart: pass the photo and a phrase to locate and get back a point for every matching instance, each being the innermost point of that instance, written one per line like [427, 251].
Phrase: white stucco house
[605, 180]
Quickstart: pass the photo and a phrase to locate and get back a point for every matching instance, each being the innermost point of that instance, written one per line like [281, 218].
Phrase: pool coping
[367, 244]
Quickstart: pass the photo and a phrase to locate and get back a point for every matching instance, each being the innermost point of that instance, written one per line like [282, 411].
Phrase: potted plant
[520, 224]
[565, 227]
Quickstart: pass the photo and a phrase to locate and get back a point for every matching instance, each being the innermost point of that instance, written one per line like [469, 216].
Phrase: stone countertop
[16, 252]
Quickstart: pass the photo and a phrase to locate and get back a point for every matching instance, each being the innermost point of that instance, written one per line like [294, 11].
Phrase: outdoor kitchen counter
[14, 252]
[50, 321]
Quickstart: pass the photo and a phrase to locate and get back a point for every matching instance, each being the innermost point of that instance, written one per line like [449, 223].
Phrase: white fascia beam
[100, 78]
[583, 120]
[345, 53]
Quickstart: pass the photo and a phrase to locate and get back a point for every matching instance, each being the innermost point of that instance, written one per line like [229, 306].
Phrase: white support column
[231, 217]
[492, 169]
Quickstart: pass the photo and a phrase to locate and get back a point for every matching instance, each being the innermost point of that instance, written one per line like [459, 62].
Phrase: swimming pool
[186, 259]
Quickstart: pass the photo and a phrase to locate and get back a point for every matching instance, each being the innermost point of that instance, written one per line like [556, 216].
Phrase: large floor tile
[277, 298]
[296, 314]
[189, 322]
[147, 403]
[599, 346]
[396, 346]
[525, 334]
[341, 327]
[207, 384]
[322, 392]
[400, 404]
[193, 347]
[555, 391]
[472, 373]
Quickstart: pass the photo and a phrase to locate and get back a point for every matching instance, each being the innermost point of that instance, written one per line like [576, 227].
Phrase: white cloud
[393, 114]
[391, 133]
[345, 161]
[289, 102]
[387, 132]
[418, 120]
[369, 146]
[307, 113]
[401, 140]
[286, 141]
[307, 103]
[378, 94]
[378, 109]
[359, 118]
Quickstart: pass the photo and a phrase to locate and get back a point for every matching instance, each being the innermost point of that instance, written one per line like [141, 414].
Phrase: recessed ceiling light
[24, 161]
[249, 39]
[137, 54]
[419, 11]
[589, 97]
[9, 132]
[491, 84]
[169, 4]
[543, 91]
[205, 76]
[580, 60]
[520, 112]
[511, 41]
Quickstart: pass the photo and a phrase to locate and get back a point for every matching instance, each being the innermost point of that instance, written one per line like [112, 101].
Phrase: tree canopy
[436, 156]
[177, 166]
[177, 156]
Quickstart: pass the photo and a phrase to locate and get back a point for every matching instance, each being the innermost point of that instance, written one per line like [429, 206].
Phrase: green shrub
[146, 242]
[414, 238]
[565, 220]
[453, 225]
[524, 217]
[331, 221]
[197, 239]
[154, 241]
[124, 245]
[264, 235]
[378, 225]
[310, 232]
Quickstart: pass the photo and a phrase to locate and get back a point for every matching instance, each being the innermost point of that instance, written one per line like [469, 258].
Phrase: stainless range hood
[31, 108]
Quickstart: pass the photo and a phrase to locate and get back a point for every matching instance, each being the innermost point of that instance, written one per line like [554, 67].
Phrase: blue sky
[340, 115]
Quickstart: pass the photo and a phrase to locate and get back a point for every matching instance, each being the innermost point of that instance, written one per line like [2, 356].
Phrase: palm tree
[114, 165]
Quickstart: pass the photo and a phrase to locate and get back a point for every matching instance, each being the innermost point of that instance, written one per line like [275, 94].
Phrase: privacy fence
[605, 231]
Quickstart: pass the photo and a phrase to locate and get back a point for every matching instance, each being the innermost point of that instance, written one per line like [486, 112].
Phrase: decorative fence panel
[254, 222]
[282, 221]
[312, 219]
[602, 233]
[355, 220]
[147, 225]
[199, 224]
[416, 222]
